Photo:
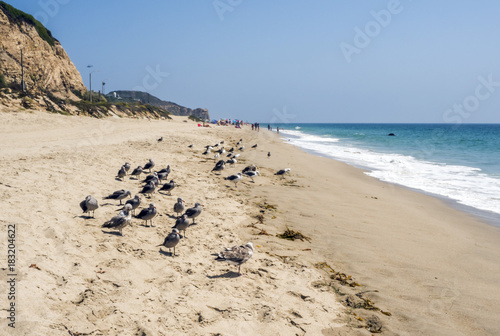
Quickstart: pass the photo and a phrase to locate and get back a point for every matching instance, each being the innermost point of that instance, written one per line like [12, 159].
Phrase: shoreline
[489, 217]
[433, 268]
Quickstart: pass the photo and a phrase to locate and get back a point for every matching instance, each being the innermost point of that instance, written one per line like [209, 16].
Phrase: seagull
[119, 195]
[89, 204]
[152, 177]
[148, 188]
[182, 224]
[121, 220]
[249, 168]
[231, 150]
[149, 165]
[168, 187]
[220, 165]
[231, 161]
[239, 142]
[194, 212]
[162, 176]
[165, 170]
[179, 206]
[148, 214]
[268, 154]
[190, 146]
[137, 171]
[236, 255]
[235, 156]
[282, 172]
[134, 202]
[121, 173]
[241, 148]
[160, 139]
[171, 240]
[251, 174]
[216, 156]
[126, 166]
[254, 146]
[234, 178]
[207, 151]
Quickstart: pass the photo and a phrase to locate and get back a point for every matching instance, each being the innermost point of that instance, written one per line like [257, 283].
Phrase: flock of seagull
[236, 255]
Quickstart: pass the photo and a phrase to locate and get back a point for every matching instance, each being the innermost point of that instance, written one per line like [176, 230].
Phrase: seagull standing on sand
[194, 212]
[171, 240]
[119, 195]
[182, 224]
[121, 173]
[121, 220]
[148, 214]
[282, 172]
[152, 177]
[249, 168]
[268, 154]
[234, 178]
[254, 146]
[165, 170]
[232, 161]
[149, 165]
[220, 165]
[179, 206]
[236, 255]
[126, 166]
[168, 187]
[89, 204]
[148, 189]
[134, 202]
[137, 172]
[251, 174]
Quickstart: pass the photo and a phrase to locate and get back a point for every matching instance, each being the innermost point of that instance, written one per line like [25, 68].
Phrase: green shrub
[18, 16]
[3, 83]
[193, 118]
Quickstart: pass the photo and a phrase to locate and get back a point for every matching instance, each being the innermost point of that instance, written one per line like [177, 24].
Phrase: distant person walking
[268, 127]
[278, 130]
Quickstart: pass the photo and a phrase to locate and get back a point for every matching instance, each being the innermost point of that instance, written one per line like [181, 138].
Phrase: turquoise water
[460, 162]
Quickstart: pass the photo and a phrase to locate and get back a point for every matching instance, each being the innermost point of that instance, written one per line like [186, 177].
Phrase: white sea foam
[466, 185]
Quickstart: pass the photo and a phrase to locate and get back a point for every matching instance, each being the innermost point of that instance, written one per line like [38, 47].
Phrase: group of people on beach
[256, 127]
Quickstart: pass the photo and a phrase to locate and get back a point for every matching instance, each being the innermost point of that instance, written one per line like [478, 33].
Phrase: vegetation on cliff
[17, 16]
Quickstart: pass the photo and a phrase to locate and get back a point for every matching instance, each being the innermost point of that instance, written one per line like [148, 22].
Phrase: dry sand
[434, 269]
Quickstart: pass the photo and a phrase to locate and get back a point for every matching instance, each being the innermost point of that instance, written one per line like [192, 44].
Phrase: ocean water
[458, 162]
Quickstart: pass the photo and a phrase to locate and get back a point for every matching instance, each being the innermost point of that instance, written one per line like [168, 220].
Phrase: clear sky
[291, 60]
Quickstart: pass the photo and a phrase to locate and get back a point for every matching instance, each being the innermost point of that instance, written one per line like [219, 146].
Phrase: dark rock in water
[391, 134]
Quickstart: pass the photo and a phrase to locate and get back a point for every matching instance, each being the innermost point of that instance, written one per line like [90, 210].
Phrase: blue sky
[291, 60]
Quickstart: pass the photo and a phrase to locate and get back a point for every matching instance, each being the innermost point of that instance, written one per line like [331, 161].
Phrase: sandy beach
[377, 255]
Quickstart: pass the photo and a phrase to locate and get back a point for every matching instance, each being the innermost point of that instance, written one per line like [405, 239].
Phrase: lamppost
[23, 87]
[90, 82]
